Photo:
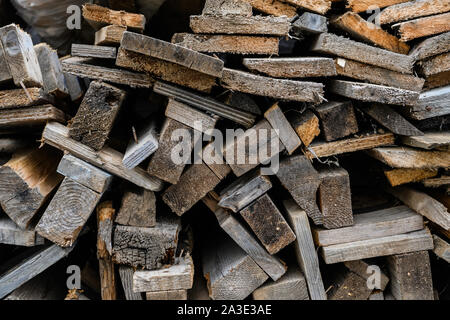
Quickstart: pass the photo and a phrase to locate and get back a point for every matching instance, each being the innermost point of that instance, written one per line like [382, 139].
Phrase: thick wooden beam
[5, 72]
[137, 209]
[190, 116]
[305, 124]
[11, 234]
[349, 286]
[412, 9]
[361, 268]
[338, 119]
[98, 17]
[405, 157]
[423, 27]
[109, 35]
[90, 51]
[53, 77]
[292, 286]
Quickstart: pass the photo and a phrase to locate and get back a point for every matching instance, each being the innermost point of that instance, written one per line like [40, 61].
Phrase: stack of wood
[358, 188]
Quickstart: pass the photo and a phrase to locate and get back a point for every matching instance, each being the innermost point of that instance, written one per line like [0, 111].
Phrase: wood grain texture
[342, 47]
[191, 117]
[437, 182]
[36, 116]
[405, 157]
[292, 286]
[431, 46]
[363, 5]
[435, 65]
[413, 9]
[423, 27]
[428, 141]
[5, 73]
[441, 248]
[273, 7]
[11, 234]
[74, 88]
[138, 208]
[52, 75]
[137, 151]
[372, 225]
[361, 268]
[67, 213]
[319, 6]
[309, 23]
[107, 159]
[229, 7]
[18, 98]
[431, 103]
[397, 177]
[338, 119]
[349, 286]
[386, 246]
[169, 295]
[98, 17]
[109, 35]
[305, 250]
[126, 277]
[90, 51]
[305, 124]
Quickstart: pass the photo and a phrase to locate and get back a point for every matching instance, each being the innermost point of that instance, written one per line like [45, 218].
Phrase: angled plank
[319, 6]
[431, 47]
[90, 51]
[36, 116]
[363, 5]
[11, 234]
[99, 17]
[431, 103]
[405, 157]
[109, 35]
[137, 151]
[397, 177]
[413, 9]
[423, 27]
[429, 140]
[51, 69]
[292, 286]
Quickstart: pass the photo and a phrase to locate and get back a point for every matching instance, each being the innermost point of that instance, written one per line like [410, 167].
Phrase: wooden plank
[423, 27]
[309, 23]
[169, 295]
[364, 5]
[244, 191]
[18, 98]
[126, 277]
[405, 157]
[299, 177]
[429, 141]
[292, 67]
[273, 7]
[191, 117]
[306, 125]
[391, 120]
[338, 119]
[176, 277]
[431, 47]
[107, 159]
[96, 115]
[11, 234]
[161, 164]
[292, 286]
[230, 273]
[105, 218]
[369, 32]
[334, 198]
[374, 93]
[165, 70]
[193, 185]
[5, 73]
[31, 267]
[137, 209]
[227, 7]
[287, 135]
[77, 66]
[239, 233]
[377, 75]
[435, 65]
[431, 103]
[319, 6]
[332, 44]
[413, 9]
[397, 177]
[204, 103]
[411, 276]
[67, 213]
[42, 287]
[441, 79]
[258, 25]
[268, 224]
[74, 88]
[319, 150]
[271, 87]
[441, 248]
[137, 151]
[98, 17]
[214, 160]
[26, 182]
[53, 78]
[173, 53]
[147, 248]
[424, 205]
[305, 250]
[90, 51]
[372, 225]
[236, 44]
[349, 286]
[109, 35]
[436, 182]
[36, 116]
[361, 268]
[403, 243]
[20, 56]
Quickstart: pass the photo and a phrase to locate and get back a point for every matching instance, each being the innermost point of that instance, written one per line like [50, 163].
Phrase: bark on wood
[435, 65]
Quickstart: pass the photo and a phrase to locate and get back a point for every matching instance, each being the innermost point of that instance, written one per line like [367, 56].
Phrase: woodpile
[272, 150]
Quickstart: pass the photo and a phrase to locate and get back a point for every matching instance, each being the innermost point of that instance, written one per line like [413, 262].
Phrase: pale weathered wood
[109, 35]
[374, 93]
[423, 27]
[332, 44]
[369, 32]
[424, 205]
[96, 115]
[213, 158]
[292, 286]
[431, 104]
[391, 120]
[98, 17]
[18, 98]
[411, 276]
[305, 250]
[413, 9]
[170, 52]
[262, 25]
[361, 268]
[431, 47]
[271, 87]
[372, 225]
[268, 224]
[148, 248]
[189, 116]
[400, 176]
[403, 243]
[441, 248]
[53, 78]
[349, 145]
[292, 67]
[377, 75]
[126, 277]
[302, 181]
[338, 119]
[26, 181]
[405, 157]
[236, 44]
[227, 7]
[287, 135]
[31, 267]
[363, 5]
[319, 6]
[42, 287]
[239, 233]
[11, 234]
[273, 7]
[84, 173]
[35, 116]
[20, 56]
[168, 295]
[107, 159]
[74, 88]
[137, 151]
[429, 141]
[179, 276]
[90, 51]
[435, 65]
[138, 208]
[67, 213]
[5, 73]
[309, 23]
[305, 124]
